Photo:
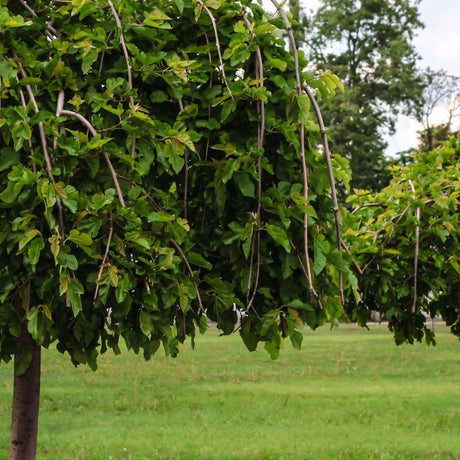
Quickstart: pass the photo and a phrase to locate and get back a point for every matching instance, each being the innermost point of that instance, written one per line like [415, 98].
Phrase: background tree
[406, 239]
[368, 45]
[441, 90]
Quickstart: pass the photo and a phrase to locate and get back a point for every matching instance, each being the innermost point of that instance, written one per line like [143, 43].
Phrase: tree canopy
[406, 241]
[158, 172]
[368, 44]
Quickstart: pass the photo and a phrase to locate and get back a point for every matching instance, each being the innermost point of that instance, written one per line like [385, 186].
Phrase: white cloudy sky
[439, 47]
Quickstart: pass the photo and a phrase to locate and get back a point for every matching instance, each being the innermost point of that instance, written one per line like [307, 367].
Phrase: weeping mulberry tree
[159, 168]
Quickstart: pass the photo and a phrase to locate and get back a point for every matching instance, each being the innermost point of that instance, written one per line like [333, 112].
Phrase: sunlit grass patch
[348, 394]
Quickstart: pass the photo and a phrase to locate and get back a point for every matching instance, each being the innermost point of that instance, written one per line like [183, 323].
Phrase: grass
[349, 394]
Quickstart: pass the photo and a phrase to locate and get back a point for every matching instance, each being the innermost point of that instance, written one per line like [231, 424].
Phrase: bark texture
[26, 398]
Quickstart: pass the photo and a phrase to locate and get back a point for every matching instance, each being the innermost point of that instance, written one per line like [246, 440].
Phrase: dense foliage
[368, 44]
[406, 241]
[154, 175]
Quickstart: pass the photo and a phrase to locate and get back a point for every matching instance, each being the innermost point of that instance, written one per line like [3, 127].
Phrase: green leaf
[197, 259]
[8, 158]
[23, 359]
[34, 250]
[145, 322]
[74, 291]
[296, 339]
[179, 5]
[303, 102]
[279, 235]
[160, 216]
[245, 184]
[277, 63]
[29, 236]
[250, 338]
[273, 346]
[80, 238]
[67, 260]
[321, 248]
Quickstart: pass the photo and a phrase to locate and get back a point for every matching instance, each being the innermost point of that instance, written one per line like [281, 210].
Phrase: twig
[104, 259]
[184, 258]
[214, 25]
[29, 141]
[417, 249]
[181, 107]
[260, 143]
[92, 130]
[128, 66]
[307, 276]
[50, 30]
[347, 250]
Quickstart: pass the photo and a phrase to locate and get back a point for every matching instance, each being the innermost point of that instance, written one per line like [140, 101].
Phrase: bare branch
[93, 132]
[192, 277]
[302, 145]
[216, 35]
[104, 259]
[128, 66]
[46, 155]
[417, 250]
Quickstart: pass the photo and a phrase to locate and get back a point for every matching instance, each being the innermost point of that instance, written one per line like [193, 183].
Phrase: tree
[156, 173]
[368, 45]
[441, 90]
[406, 241]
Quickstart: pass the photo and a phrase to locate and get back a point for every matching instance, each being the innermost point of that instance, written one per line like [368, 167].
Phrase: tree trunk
[26, 398]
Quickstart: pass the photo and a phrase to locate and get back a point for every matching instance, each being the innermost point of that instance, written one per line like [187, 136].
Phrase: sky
[438, 44]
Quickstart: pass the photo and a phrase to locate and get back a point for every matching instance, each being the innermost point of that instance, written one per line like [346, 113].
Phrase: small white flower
[239, 74]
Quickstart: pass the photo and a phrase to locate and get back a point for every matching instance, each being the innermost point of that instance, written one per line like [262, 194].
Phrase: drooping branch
[92, 130]
[124, 49]
[216, 35]
[327, 155]
[128, 66]
[186, 172]
[308, 271]
[46, 155]
[51, 32]
[189, 268]
[255, 246]
[417, 250]
[104, 259]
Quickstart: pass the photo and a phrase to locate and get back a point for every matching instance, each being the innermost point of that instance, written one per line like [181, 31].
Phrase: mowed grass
[349, 394]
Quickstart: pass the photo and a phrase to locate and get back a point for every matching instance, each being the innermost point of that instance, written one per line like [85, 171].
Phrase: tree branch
[417, 249]
[128, 66]
[104, 259]
[302, 148]
[216, 35]
[192, 277]
[93, 132]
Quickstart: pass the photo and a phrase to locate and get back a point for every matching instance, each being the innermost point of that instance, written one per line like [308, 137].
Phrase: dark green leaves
[279, 235]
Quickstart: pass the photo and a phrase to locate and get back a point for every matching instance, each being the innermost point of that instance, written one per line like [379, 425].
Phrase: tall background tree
[442, 93]
[368, 44]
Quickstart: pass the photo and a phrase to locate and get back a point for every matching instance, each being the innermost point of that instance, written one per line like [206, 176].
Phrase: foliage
[368, 45]
[406, 240]
[151, 179]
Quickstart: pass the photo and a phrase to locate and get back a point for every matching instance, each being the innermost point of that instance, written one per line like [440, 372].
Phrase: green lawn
[349, 394]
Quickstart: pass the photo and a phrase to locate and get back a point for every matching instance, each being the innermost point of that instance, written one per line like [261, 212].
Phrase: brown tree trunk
[26, 398]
